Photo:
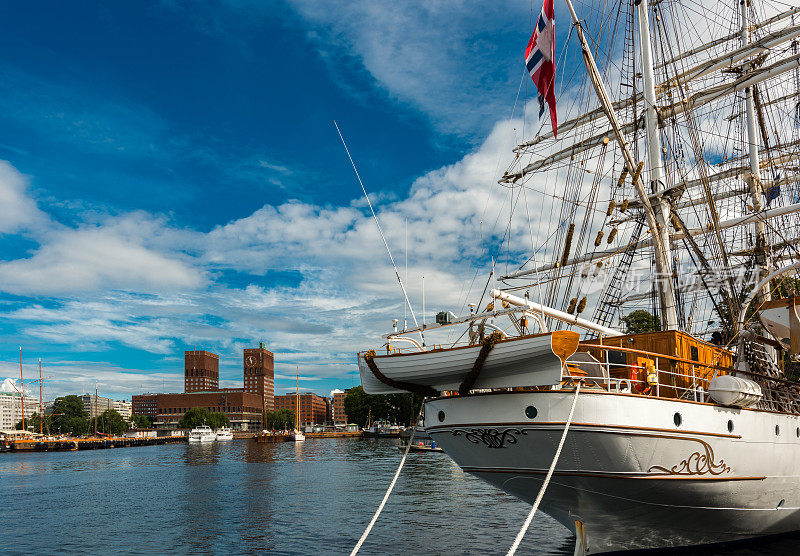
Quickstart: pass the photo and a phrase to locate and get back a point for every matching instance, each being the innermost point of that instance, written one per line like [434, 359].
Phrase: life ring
[636, 382]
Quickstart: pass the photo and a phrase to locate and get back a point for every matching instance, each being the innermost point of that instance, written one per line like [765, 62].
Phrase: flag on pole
[539, 59]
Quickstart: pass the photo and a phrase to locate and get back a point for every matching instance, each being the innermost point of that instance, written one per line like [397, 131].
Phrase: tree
[197, 416]
[641, 321]
[109, 422]
[33, 423]
[282, 419]
[396, 408]
[68, 416]
[142, 421]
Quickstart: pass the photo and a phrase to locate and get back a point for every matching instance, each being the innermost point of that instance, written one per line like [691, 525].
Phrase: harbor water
[245, 498]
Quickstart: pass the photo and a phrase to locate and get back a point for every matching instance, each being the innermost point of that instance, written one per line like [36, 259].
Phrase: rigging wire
[378, 224]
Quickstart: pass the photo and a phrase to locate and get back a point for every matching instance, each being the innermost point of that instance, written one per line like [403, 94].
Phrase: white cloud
[92, 258]
[18, 211]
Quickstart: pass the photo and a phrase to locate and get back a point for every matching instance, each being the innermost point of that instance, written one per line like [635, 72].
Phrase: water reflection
[243, 498]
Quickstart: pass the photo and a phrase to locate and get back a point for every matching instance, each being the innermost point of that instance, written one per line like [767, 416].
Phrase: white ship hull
[627, 472]
[527, 361]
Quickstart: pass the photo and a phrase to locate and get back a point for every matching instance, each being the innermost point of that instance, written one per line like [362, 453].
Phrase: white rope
[389, 491]
[527, 523]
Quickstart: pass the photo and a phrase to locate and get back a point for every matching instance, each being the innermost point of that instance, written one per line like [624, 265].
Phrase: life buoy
[636, 383]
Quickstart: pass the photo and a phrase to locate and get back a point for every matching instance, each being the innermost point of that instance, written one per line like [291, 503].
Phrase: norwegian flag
[539, 58]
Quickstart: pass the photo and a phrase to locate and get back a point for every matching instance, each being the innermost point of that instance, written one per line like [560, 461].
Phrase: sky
[171, 179]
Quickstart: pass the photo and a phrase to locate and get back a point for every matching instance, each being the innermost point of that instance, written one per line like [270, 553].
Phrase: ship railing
[686, 378]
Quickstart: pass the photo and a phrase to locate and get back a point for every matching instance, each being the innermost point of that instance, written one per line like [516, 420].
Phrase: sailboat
[298, 434]
[677, 163]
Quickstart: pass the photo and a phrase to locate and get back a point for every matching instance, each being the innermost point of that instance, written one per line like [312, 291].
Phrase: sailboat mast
[754, 178]
[297, 402]
[41, 416]
[22, 390]
[656, 170]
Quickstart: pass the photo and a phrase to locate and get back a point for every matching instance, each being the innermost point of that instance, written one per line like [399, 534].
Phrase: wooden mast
[297, 402]
[41, 416]
[22, 390]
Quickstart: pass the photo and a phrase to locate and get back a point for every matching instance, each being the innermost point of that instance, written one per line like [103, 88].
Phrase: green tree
[282, 419]
[109, 422]
[68, 416]
[33, 423]
[396, 408]
[197, 416]
[640, 321]
[142, 421]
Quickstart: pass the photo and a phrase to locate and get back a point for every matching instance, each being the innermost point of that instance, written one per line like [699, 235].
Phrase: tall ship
[643, 335]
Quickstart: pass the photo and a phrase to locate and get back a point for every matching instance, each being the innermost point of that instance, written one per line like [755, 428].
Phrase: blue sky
[172, 179]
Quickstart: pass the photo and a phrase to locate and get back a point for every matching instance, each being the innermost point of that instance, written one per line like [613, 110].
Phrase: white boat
[674, 441]
[523, 362]
[224, 434]
[202, 434]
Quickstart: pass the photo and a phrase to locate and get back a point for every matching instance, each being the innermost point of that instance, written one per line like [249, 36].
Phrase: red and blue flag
[539, 59]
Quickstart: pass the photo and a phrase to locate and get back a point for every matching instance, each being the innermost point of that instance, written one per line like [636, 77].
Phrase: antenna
[378, 224]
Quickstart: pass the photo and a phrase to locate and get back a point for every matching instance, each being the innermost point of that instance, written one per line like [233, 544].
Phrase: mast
[22, 390]
[753, 179]
[663, 269]
[95, 408]
[41, 416]
[656, 169]
[297, 403]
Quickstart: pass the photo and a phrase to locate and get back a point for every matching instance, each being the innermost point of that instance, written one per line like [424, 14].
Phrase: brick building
[201, 371]
[242, 408]
[313, 408]
[338, 417]
[259, 375]
[144, 404]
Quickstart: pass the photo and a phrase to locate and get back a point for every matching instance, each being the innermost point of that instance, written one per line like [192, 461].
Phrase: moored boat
[678, 423]
[223, 434]
[202, 434]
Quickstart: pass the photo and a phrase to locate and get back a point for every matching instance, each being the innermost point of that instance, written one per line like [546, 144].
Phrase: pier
[72, 444]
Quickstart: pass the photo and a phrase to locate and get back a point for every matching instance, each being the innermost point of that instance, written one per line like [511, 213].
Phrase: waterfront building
[144, 404]
[201, 371]
[243, 409]
[95, 405]
[313, 409]
[338, 417]
[11, 409]
[259, 375]
[123, 408]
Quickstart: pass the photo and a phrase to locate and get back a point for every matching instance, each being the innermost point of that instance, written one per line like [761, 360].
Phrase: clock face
[251, 360]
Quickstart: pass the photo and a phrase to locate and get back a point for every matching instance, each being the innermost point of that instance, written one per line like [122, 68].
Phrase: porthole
[677, 419]
[441, 416]
[777, 430]
[531, 412]
[730, 426]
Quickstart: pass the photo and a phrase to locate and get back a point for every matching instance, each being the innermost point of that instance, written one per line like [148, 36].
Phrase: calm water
[245, 498]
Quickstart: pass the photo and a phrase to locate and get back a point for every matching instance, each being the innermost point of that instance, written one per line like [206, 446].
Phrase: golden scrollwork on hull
[701, 462]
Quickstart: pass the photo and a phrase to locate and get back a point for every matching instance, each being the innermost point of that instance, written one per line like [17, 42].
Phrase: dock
[335, 434]
[72, 444]
[273, 438]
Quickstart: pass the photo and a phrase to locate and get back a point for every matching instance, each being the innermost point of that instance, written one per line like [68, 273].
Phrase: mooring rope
[391, 486]
[527, 523]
